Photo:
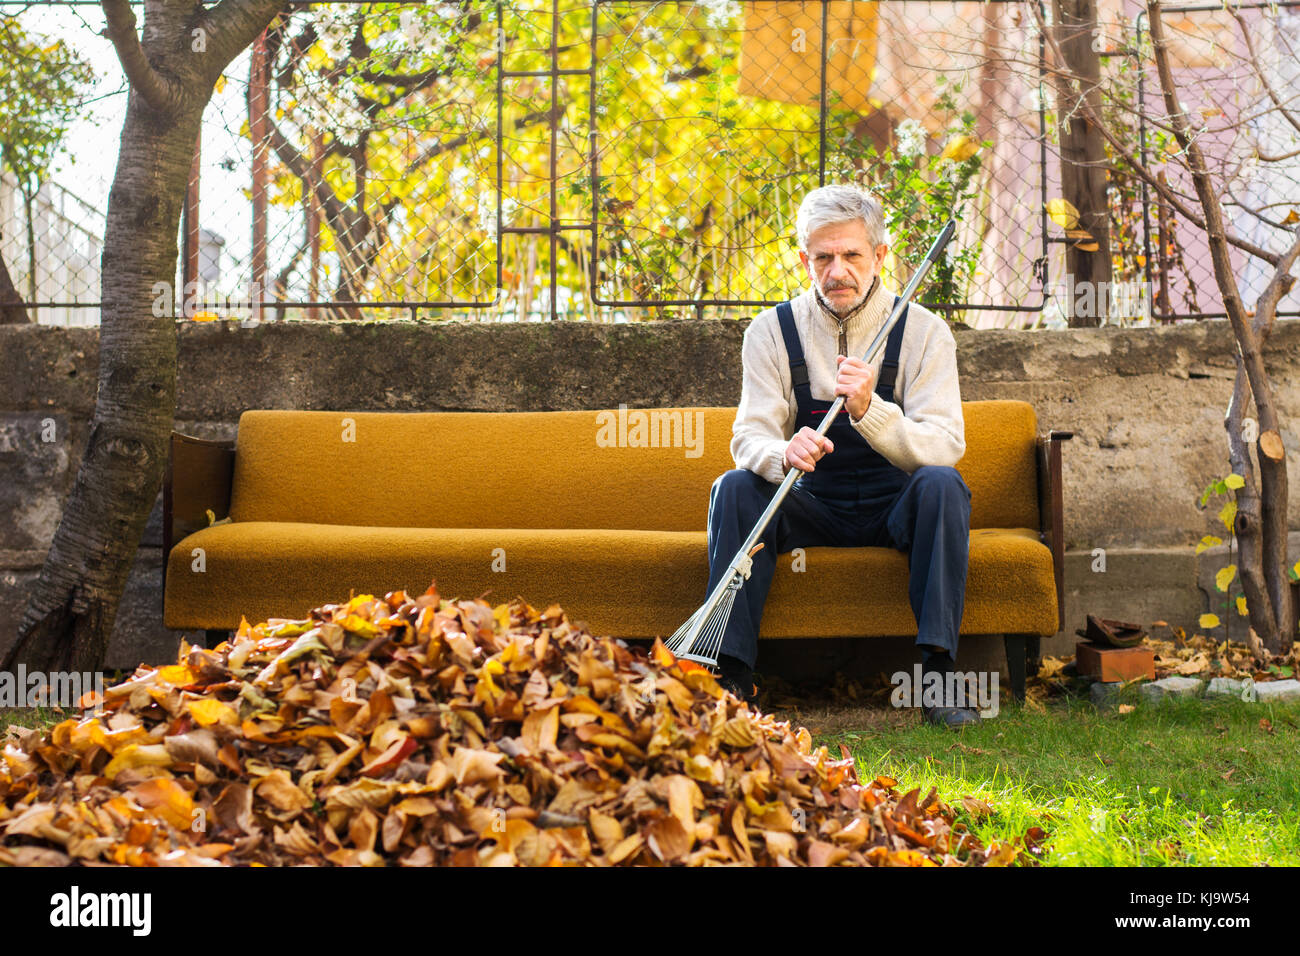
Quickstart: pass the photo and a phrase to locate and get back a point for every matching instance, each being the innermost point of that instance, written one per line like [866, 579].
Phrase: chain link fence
[1239, 78]
[612, 160]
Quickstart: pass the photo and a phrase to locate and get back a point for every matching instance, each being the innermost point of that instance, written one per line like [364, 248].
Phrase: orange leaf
[661, 655]
[168, 799]
[209, 711]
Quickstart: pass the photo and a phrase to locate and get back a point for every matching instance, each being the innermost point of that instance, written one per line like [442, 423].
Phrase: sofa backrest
[636, 469]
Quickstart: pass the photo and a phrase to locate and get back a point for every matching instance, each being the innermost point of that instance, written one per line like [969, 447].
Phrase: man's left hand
[856, 380]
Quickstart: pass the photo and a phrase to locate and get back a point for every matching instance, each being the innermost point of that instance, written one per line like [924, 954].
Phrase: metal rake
[700, 638]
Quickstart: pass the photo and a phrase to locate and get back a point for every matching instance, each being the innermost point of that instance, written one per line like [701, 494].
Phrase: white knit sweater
[931, 433]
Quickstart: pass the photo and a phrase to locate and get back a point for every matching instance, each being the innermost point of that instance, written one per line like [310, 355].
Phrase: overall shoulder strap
[889, 368]
[798, 367]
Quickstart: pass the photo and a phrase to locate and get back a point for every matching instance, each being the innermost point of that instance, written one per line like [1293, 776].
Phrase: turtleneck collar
[870, 314]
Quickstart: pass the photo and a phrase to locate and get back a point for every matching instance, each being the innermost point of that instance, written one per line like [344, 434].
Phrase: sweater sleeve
[762, 428]
[933, 432]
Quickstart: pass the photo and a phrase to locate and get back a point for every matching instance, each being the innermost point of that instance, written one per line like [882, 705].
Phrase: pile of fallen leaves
[1199, 655]
[419, 731]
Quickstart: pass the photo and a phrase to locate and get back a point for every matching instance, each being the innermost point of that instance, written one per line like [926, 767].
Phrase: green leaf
[1234, 481]
[1209, 490]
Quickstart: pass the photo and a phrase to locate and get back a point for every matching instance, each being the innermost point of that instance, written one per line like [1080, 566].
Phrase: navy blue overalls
[855, 497]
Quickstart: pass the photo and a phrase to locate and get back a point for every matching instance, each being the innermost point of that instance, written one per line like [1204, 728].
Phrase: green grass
[1190, 782]
[42, 718]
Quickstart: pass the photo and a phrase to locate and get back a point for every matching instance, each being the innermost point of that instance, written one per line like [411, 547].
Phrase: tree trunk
[74, 602]
[1261, 516]
[1083, 161]
[1247, 523]
[12, 310]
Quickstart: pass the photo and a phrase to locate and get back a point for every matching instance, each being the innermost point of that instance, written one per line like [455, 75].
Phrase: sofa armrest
[198, 478]
[1051, 510]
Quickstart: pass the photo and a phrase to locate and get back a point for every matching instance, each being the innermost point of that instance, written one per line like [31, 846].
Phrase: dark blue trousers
[929, 519]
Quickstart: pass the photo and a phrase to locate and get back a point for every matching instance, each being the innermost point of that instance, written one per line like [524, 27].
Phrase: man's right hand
[805, 448]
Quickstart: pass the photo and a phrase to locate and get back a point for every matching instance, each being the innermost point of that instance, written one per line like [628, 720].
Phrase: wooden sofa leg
[1015, 648]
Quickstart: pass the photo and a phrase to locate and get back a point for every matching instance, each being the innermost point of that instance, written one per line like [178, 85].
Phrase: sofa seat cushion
[627, 583]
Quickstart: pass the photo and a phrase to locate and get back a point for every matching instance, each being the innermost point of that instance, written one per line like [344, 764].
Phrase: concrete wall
[1146, 407]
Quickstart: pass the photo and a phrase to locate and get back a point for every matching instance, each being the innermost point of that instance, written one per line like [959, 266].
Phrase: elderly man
[883, 474]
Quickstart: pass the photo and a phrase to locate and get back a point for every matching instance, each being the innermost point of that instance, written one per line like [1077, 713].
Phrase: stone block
[1231, 687]
[1275, 691]
[1172, 687]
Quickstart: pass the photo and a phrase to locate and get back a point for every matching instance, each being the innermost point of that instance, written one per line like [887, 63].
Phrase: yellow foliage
[1228, 514]
[960, 148]
[1224, 577]
[1063, 213]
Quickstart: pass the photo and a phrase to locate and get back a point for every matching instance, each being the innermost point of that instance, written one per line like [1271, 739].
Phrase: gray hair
[841, 203]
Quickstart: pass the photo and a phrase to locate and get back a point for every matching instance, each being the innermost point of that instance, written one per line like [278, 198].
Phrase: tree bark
[74, 602]
[12, 310]
[1083, 158]
[1247, 524]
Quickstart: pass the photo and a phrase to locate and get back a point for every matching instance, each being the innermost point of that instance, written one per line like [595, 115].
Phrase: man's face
[842, 264]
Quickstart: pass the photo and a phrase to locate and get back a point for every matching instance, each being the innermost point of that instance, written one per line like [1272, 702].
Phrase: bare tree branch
[463, 139]
[158, 91]
[1268, 87]
[1258, 213]
[1139, 168]
[232, 25]
[1266, 157]
[1279, 285]
[1215, 229]
[337, 214]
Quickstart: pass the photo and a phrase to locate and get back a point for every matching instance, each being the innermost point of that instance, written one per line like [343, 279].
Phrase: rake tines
[700, 638]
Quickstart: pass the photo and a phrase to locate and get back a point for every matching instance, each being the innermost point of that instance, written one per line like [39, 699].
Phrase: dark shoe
[954, 718]
[732, 686]
[737, 678]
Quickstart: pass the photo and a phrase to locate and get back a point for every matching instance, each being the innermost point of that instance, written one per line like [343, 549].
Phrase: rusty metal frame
[1051, 509]
[1023, 650]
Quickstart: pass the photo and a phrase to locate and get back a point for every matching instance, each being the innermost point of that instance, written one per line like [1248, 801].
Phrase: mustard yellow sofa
[601, 512]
